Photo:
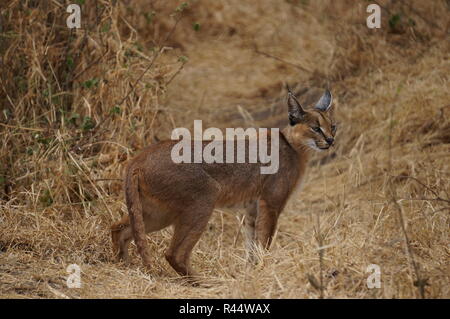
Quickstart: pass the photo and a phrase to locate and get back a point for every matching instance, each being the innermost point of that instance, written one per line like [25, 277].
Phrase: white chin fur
[313, 145]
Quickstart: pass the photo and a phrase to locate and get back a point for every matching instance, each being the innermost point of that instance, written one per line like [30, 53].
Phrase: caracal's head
[314, 128]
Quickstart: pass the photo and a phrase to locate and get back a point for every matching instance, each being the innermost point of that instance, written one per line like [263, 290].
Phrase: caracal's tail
[136, 216]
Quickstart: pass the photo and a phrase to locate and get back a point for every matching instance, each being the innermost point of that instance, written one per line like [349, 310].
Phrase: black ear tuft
[293, 120]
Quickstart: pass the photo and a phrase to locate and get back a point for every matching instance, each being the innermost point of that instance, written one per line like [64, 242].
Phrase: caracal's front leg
[266, 223]
[250, 231]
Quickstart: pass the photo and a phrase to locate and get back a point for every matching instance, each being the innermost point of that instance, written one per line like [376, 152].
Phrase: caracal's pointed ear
[295, 110]
[325, 101]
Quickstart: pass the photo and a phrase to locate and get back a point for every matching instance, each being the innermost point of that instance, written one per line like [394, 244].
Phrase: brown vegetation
[76, 105]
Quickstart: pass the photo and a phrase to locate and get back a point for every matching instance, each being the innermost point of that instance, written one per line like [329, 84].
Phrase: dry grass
[76, 105]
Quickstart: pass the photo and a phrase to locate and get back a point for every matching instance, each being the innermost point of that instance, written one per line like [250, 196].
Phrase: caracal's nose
[329, 140]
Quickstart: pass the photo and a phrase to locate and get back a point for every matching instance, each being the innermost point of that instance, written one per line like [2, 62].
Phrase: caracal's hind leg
[122, 233]
[121, 236]
[251, 212]
[188, 228]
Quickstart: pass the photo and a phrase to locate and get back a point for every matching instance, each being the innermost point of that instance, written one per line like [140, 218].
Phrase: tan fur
[121, 236]
[160, 193]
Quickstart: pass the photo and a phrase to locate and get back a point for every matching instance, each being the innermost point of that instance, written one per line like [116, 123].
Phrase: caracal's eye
[316, 129]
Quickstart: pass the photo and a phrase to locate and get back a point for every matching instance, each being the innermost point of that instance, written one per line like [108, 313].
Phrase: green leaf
[90, 83]
[115, 110]
[183, 59]
[105, 27]
[46, 198]
[69, 62]
[139, 47]
[182, 7]
[88, 123]
[72, 119]
[394, 20]
[149, 16]
[44, 140]
[196, 26]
